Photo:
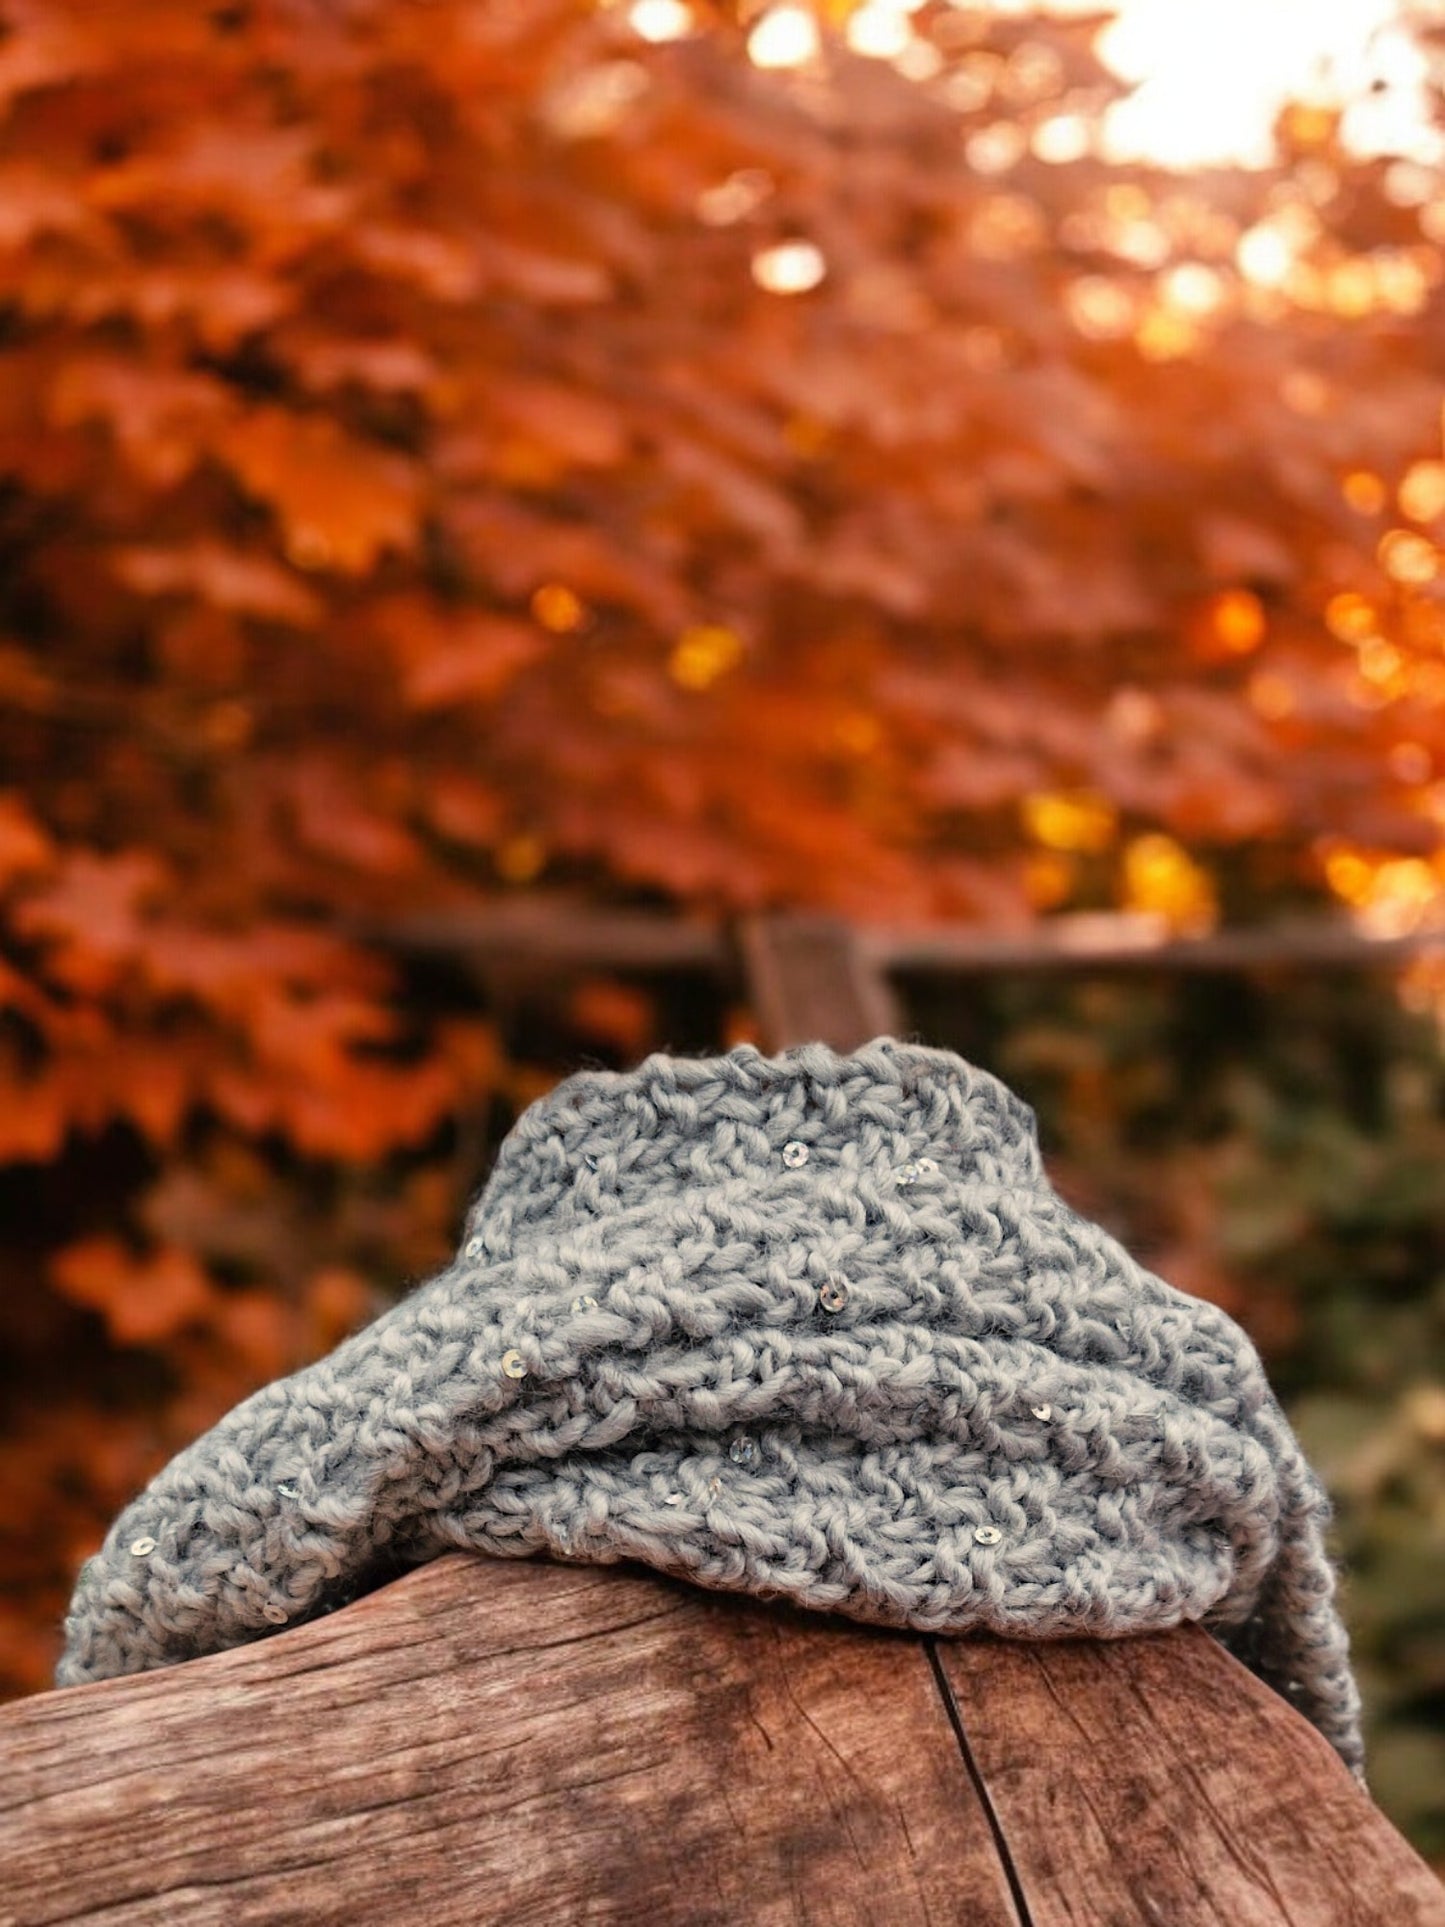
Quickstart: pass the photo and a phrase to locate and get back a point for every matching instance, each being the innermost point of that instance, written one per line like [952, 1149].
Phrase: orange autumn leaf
[333, 815]
[340, 502]
[143, 1300]
[617, 1013]
[241, 172]
[222, 577]
[355, 1111]
[465, 656]
[91, 913]
[582, 428]
[159, 418]
[35, 202]
[35, 1116]
[327, 362]
[25, 845]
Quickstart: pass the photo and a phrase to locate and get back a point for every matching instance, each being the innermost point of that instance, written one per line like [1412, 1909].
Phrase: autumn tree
[452, 448]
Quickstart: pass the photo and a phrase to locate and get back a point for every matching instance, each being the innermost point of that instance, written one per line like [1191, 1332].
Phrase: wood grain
[1149, 1782]
[486, 1742]
[495, 1742]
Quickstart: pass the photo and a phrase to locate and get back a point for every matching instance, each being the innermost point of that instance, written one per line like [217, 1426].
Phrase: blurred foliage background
[708, 458]
[1275, 1144]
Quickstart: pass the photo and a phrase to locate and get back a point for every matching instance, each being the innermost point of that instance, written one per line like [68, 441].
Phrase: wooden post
[514, 1742]
[810, 979]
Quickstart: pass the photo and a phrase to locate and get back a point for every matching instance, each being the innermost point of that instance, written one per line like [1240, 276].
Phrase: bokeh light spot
[1379, 661]
[1409, 558]
[1349, 617]
[701, 655]
[1237, 620]
[789, 267]
[1048, 879]
[784, 37]
[1071, 820]
[1165, 336]
[1364, 491]
[1100, 309]
[1422, 493]
[1193, 289]
[520, 858]
[735, 198]
[880, 32]
[997, 148]
[556, 608]
[1061, 139]
[1160, 878]
[660, 20]
[1348, 875]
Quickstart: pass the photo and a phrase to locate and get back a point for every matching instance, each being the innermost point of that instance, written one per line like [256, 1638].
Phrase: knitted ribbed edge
[1004, 1423]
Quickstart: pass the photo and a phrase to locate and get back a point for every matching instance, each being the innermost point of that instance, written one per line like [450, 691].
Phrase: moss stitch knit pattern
[812, 1325]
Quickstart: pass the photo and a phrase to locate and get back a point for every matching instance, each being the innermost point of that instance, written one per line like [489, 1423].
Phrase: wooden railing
[495, 1742]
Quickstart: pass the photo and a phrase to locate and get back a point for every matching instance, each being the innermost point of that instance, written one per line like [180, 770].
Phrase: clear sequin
[142, 1548]
[673, 1498]
[987, 1535]
[473, 1247]
[276, 1614]
[289, 1491]
[584, 1301]
[591, 1160]
[907, 1174]
[1042, 1411]
[927, 1167]
[514, 1365]
[795, 1154]
[743, 1451]
[833, 1294]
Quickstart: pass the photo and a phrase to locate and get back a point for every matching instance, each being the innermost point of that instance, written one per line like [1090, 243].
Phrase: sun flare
[1209, 75]
[1207, 78]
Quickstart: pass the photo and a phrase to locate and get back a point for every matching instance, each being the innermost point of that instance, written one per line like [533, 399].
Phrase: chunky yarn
[813, 1326]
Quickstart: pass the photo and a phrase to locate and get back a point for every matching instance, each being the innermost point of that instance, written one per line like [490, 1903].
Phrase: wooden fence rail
[554, 929]
[490, 1742]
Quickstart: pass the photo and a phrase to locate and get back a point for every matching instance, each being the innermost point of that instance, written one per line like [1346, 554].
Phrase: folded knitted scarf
[813, 1326]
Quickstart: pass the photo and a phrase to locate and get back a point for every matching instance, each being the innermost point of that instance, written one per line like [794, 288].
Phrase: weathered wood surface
[526, 1743]
[1166, 1754]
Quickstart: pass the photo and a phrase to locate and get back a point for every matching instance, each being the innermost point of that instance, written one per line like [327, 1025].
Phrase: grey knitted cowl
[813, 1326]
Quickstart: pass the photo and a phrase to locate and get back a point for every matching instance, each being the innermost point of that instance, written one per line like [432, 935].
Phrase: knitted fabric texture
[813, 1326]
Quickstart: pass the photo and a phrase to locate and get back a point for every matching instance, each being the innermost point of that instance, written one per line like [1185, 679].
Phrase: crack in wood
[980, 1785]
